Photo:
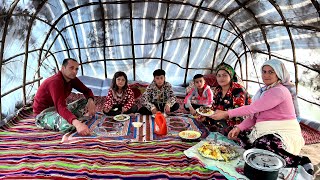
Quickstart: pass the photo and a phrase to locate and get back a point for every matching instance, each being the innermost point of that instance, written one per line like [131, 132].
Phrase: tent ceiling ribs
[30, 51]
[190, 42]
[245, 46]
[164, 33]
[104, 38]
[316, 5]
[264, 35]
[221, 27]
[217, 45]
[5, 29]
[291, 41]
[27, 49]
[288, 60]
[132, 42]
[76, 33]
[54, 25]
[311, 28]
[58, 31]
[120, 2]
[21, 86]
[142, 58]
[153, 19]
[225, 45]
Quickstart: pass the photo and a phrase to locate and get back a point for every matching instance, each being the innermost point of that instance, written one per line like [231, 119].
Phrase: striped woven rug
[27, 152]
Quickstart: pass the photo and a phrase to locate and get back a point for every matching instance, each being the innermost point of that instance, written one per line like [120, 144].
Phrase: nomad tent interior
[182, 37]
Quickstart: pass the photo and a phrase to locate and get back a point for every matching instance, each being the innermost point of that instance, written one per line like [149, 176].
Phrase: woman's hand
[123, 110]
[218, 115]
[233, 134]
[192, 111]
[154, 110]
[106, 110]
[167, 109]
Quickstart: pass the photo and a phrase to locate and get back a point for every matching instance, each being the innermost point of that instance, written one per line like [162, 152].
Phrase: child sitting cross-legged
[158, 96]
[120, 98]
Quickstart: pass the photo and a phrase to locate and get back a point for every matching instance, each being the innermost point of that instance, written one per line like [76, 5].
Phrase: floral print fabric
[126, 99]
[235, 97]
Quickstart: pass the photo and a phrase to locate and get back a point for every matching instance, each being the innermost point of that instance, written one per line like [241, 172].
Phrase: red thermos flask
[160, 124]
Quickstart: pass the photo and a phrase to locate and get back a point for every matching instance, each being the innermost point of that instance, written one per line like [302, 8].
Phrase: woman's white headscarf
[280, 70]
[284, 79]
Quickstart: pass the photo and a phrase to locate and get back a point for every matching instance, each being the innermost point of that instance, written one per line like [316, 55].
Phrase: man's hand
[91, 107]
[218, 115]
[167, 109]
[154, 110]
[82, 129]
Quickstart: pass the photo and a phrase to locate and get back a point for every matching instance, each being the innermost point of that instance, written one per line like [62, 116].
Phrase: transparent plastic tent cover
[182, 37]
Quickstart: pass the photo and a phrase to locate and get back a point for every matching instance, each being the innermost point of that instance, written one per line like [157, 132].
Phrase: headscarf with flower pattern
[229, 70]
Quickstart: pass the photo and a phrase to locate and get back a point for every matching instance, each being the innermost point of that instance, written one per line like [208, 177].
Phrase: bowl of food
[137, 124]
[189, 135]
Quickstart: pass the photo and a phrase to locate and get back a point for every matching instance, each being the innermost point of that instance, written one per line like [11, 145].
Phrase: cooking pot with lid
[262, 164]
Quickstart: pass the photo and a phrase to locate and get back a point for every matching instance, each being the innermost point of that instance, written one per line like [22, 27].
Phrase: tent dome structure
[182, 37]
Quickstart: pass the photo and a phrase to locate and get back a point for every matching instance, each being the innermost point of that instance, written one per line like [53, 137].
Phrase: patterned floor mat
[124, 131]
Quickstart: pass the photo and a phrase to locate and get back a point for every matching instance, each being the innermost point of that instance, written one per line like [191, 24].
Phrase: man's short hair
[65, 61]
[159, 72]
[197, 76]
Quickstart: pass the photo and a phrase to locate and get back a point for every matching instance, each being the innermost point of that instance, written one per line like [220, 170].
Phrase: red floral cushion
[211, 80]
[138, 89]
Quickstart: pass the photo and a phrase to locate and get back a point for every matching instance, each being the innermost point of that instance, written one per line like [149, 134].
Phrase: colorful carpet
[27, 152]
[310, 135]
[124, 130]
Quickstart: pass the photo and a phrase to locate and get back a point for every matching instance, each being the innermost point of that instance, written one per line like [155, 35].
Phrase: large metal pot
[262, 164]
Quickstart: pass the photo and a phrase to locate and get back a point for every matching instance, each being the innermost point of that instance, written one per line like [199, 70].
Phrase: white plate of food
[205, 111]
[121, 117]
[218, 152]
[189, 135]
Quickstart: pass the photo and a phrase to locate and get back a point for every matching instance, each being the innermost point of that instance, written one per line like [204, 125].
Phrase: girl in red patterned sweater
[120, 97]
